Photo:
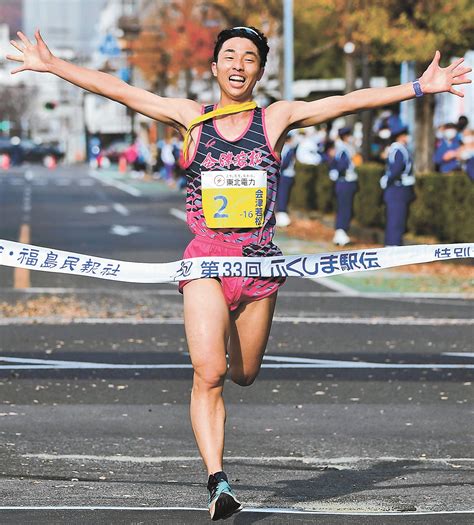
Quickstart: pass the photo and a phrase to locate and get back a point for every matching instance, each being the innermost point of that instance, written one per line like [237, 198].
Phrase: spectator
[168, 159]
[447, 153]
[342, 172]
[462, 124]
[397, 183]
[287, 179]
[308, 151]
[466, 153]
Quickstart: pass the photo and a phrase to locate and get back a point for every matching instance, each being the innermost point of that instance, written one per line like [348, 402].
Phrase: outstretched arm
[434, 80]
[38, 57]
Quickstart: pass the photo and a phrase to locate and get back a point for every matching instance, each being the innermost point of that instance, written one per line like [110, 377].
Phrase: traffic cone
[50, 162]
[122, 165]
[5, 161]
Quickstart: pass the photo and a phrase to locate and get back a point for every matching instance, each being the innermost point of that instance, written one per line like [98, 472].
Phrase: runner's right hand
[35, 57]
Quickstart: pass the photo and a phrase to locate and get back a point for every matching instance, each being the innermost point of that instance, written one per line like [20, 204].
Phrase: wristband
[417, 88]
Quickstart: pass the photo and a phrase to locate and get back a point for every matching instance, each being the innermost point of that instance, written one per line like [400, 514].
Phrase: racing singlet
[232, 186]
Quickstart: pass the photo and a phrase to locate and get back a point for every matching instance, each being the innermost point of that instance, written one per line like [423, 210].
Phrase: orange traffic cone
[50, 162]
[122, 165]
[5, 161]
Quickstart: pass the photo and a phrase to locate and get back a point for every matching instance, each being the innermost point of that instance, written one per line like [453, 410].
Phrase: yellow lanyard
[227, 110]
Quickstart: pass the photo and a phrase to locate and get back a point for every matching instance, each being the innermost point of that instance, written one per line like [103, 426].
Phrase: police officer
[343, 173]
[397, 183]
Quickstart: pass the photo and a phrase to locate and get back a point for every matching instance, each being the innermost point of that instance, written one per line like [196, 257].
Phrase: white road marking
[92, 210]
[366, 321]
[179, 214]
[120, 208]
[348, 461]
[460, 354]
[279, 362]
[116, 184]
[264, 510]
[124, 231]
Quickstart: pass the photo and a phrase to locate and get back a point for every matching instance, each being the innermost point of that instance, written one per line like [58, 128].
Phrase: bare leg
[206, 320]
[249, 330]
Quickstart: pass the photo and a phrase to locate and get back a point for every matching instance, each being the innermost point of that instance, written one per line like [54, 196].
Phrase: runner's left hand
[438, 79]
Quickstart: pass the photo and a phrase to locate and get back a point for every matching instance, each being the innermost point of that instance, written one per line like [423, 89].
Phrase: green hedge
[443, 207]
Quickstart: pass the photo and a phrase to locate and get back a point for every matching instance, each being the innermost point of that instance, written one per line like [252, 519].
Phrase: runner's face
[237, 68]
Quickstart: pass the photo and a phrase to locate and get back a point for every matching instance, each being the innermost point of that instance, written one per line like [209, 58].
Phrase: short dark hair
[250, 32]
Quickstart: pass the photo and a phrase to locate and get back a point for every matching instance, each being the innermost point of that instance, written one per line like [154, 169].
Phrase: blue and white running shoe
[222, 502]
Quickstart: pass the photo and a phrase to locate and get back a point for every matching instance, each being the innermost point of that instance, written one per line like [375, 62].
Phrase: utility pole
[288, 55]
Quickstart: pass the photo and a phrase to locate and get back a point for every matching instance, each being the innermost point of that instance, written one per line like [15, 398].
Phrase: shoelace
[214, 489]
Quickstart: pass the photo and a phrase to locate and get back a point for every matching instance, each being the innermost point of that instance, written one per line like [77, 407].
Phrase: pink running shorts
[237, 290]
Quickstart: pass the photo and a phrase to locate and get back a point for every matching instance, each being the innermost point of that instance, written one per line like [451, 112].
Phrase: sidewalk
[307, 235]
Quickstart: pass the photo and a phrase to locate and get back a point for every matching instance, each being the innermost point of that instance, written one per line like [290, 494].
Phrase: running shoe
[222, 502]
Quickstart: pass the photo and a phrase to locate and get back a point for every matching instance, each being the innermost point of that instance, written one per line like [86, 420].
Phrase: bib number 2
[219, 214]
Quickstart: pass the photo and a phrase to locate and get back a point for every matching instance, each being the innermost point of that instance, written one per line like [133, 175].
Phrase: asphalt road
[361, 414]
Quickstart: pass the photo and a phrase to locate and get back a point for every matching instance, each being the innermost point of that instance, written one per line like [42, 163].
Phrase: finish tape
[31, 257]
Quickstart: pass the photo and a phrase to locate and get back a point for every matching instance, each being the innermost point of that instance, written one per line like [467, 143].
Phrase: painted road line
[179, 214]
[92, 210]
[280, 362]
[343, 461]
[459, 354]
[124, 231]
[263, 510]
[116, 184]
[120, 208]
[361, 321]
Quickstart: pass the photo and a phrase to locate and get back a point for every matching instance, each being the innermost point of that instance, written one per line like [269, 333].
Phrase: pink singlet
[250, 151]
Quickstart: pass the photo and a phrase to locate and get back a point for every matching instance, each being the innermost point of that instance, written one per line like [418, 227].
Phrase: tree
[172, 39]
[392, 31]
[16, 105]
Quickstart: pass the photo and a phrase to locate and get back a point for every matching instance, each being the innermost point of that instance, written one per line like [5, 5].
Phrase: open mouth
[236, 80]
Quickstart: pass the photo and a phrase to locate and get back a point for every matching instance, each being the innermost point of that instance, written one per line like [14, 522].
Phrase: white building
[67, 29]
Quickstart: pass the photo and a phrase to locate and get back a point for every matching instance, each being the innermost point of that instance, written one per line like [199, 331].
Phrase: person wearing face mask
[446, 156]
[343, 173]
[397, 184]
[467, 152]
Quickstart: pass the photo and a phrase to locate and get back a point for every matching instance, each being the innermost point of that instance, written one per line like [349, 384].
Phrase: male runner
[230, 315]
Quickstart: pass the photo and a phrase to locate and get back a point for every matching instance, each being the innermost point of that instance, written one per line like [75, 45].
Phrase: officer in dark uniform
[342, 172]
[397, 183]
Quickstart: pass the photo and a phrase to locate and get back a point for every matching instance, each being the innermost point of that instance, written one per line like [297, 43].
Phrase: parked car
[33, 152]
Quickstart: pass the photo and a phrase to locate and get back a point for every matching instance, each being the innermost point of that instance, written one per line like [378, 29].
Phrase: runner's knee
[209, 376]
[241, 378]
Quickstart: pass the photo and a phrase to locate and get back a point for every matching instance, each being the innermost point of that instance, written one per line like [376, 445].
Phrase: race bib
[234, 199]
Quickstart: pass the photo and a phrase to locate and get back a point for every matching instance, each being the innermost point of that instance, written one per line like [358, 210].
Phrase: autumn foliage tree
[389, 31]
[173, 41]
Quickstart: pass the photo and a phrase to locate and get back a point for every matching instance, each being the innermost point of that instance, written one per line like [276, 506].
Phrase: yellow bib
[234, 199]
